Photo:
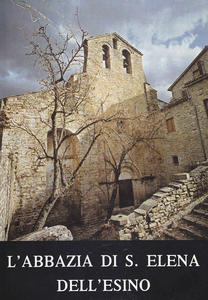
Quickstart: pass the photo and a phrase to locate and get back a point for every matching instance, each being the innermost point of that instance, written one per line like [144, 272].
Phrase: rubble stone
[54, 233]
[151, 214]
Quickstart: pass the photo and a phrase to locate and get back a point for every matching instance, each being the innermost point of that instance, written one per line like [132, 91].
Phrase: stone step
[191, 231]
[191, 227]
[174, 185]
[200, 211]
[204, 163]
[181, 181]
[160, 195]
[175, 235]
[196, 221]
[166, 189]
[181, 176]
[204, 204]
[124, 210]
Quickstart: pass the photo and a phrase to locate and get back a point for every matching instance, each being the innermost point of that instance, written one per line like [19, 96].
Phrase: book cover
[103, 140]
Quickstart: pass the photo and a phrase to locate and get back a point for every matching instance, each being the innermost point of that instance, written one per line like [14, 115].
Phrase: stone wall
[113, 84]
[149, 217]
[86, 200]
[184, 142]
[113, 89]
[6, 193]
[188, 77]
[189, 140]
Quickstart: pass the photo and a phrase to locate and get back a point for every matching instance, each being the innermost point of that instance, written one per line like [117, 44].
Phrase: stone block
[140, 211]
[131, 217]
[54, 233]
[141, 234]
[152, 225]
[166, 189]
[160, 194]
[119, 219]
[175, 185]
[125, 236]
[139, 219]
[181, 176]
[148, 204]
[171, 198]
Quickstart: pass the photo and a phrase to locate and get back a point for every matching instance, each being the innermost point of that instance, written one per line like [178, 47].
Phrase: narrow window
[115, 43]
[184, 94]
[126, 61]
[170, 125]
[201, 69]
[206, 106]
[175, 160]
[106, 56]
[85, 46]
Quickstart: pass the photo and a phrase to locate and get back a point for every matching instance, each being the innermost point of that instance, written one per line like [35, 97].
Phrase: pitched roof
[189, 66]
[117, 36]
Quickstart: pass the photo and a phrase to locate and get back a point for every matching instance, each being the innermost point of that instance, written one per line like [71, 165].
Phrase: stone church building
[114, 73]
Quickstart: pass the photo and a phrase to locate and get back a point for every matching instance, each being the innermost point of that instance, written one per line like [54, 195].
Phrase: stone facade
[113, 84]
[108, 88]
[114, 78]
[189, 139]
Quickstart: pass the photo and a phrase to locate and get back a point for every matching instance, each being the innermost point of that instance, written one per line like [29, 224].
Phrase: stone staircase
[193, 226]
[176, 211]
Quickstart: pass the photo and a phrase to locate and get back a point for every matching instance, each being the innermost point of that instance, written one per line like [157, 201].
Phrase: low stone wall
[153, 213]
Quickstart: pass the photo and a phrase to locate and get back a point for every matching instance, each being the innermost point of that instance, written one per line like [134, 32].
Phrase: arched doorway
[126, 196]
[67, 209]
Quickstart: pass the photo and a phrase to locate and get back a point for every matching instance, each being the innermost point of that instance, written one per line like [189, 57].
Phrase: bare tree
[127, 136]
[69, 103]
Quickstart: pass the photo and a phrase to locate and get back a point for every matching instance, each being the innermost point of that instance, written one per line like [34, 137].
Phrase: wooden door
[126, 197]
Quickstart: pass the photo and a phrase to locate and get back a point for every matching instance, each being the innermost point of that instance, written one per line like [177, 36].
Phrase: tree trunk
[112, 199]
[46, 209]
[49, 204]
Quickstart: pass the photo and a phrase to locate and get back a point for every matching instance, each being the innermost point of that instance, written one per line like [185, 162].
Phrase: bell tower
[116, 70]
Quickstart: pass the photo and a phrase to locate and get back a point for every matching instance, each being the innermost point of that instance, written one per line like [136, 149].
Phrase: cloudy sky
[170, 33]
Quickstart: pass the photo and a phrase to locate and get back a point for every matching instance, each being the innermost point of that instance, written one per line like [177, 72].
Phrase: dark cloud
[160, 29]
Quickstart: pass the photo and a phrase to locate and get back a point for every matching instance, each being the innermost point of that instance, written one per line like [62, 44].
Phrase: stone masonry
[149, 218]
[86, 202]
[188, 141]
[115, 79]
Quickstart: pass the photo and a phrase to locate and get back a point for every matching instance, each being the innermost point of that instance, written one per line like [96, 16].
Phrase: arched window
[127, 61]
[106, 56]
[68, 155]
[68, 206]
